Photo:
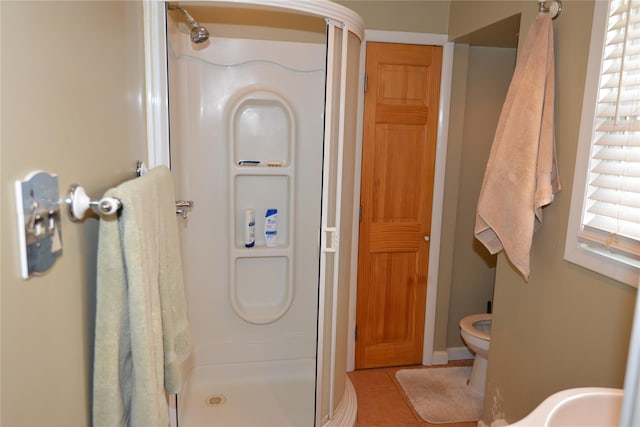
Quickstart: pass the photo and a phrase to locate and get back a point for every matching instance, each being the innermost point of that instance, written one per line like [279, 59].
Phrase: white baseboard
[459, 353]
[440, 358]
[443, 357]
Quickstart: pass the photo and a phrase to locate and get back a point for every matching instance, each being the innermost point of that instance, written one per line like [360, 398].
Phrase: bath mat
[441, 395]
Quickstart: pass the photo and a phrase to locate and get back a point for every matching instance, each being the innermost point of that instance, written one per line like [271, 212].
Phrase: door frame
[429, 356]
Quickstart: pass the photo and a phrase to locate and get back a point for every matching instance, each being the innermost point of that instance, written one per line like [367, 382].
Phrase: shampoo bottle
[271, 228]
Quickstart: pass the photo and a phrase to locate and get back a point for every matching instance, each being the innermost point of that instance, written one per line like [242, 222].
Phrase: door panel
[400, 123]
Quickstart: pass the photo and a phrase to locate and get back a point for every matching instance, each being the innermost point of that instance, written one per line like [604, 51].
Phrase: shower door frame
[158, 153]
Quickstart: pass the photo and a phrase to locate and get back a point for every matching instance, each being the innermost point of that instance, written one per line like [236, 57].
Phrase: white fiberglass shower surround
[261, 116]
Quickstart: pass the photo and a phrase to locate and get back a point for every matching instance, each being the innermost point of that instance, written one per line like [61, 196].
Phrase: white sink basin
[586, 406]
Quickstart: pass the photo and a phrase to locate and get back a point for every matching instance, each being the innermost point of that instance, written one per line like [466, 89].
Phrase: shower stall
[254, 104]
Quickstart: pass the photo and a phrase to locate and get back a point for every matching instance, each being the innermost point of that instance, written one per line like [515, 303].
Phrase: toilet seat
[466, 325]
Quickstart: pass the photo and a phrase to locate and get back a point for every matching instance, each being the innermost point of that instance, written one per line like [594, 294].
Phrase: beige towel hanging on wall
[521, 175]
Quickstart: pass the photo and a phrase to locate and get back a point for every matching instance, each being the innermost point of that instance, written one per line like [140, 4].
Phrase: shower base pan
[262, 394]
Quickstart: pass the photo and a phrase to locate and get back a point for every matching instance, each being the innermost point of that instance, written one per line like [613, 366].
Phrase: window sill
[605, 264]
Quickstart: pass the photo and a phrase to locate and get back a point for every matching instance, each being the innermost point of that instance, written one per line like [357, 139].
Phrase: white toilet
[476, 333]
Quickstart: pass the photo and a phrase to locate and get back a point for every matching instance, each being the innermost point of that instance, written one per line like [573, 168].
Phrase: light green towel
[142, 330]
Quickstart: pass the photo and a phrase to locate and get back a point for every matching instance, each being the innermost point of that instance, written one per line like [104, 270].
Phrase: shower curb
[346, 414]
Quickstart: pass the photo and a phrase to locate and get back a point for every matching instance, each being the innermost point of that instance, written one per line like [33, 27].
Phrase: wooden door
[399, 146]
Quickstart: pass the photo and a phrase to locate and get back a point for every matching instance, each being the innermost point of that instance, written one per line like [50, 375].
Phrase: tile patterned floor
[382, 403]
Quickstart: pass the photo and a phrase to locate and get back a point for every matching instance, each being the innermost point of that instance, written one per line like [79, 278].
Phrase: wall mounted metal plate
[39, 231]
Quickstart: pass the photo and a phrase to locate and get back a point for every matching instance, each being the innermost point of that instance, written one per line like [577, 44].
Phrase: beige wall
[418, 16]
[472, 268]
[567, 326]
[450, 199]
[72, 104]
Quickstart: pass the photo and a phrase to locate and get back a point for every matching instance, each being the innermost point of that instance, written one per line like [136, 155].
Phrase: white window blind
[611, 216]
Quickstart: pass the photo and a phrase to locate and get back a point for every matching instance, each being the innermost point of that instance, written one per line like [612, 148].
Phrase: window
[604, 222]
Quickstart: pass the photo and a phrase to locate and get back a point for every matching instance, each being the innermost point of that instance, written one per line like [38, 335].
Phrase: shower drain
[216, 400]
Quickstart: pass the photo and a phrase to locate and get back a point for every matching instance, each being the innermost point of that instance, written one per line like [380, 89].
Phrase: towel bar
[78, 203]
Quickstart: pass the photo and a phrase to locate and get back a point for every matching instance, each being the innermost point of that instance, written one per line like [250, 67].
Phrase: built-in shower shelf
[262, 289]
[263, 170]
[262, 178]
[262, 125]
[261, 250]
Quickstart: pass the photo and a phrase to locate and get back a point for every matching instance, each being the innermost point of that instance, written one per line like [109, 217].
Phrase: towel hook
[554, 9]
[78, 203]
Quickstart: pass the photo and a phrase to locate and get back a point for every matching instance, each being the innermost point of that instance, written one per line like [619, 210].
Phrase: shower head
[199, 34]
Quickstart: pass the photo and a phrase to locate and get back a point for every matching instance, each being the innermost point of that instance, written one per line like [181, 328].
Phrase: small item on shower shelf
[274, 163]
[248, 162]
[250, 228]
[271, 228]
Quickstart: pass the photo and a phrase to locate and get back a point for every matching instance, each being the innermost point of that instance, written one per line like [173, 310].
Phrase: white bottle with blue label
[271, 228]
[250, 228]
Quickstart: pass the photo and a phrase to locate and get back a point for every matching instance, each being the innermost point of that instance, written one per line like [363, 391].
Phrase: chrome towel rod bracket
[78, 203]
[554, 9]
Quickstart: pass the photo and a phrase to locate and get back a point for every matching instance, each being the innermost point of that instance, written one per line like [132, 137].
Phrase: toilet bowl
[476, 333]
